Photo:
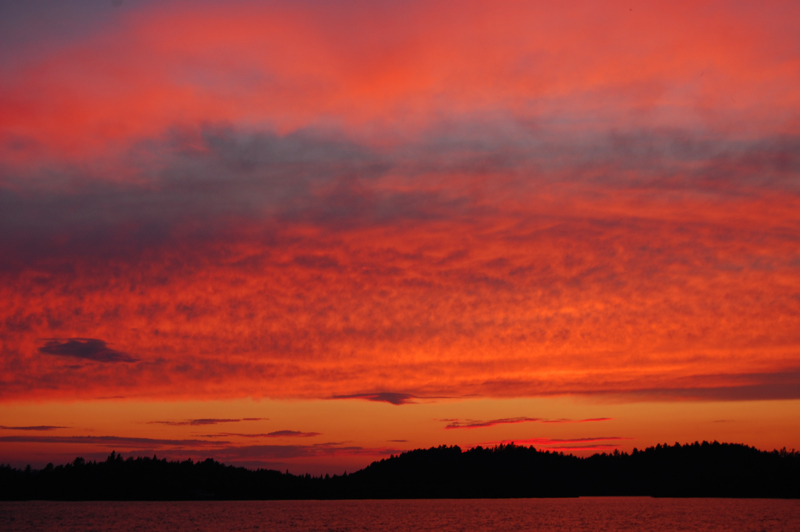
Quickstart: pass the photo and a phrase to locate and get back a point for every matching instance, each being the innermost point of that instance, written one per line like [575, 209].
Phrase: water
[546, 515]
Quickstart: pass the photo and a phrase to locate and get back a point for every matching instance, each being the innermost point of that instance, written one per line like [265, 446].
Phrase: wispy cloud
[119, 441]
[292, 434]
[204, 421]
[473, 424]
[275, 434]
[476, 424]
[34, 428]
[590, 420]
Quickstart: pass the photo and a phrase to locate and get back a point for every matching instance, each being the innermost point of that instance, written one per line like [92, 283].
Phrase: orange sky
[357, 223]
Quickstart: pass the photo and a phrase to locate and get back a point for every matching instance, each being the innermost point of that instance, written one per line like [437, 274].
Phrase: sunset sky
[307, 234]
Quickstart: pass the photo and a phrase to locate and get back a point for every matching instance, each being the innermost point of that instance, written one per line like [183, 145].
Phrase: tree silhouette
[692, 470]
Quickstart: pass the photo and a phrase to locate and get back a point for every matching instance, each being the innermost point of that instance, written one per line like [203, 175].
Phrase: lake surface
[610, 514]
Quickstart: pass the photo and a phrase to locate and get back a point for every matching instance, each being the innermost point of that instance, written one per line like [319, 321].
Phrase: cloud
[500, 66]
[204, 421]
[85, 348]
[383, 397]
[491, 225]
[36, 427]
[749, 386]
[118, 441]
[343, 184]
[472, 424]
[276, 434]
[291, 434]
[591, 420]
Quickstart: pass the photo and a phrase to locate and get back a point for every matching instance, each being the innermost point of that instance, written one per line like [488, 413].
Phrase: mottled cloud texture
[272, 199]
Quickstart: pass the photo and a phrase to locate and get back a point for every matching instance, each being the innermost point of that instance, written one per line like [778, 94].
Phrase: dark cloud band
[85, 348]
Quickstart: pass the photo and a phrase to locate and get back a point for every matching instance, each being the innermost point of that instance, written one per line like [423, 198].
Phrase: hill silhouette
[691, 470]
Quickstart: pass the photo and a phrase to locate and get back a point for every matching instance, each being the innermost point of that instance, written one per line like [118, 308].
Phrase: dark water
[595, 514]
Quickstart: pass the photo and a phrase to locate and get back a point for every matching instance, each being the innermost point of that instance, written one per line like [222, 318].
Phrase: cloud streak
[591, 420]
[119, 441]
[33, 428]
[472, 424]
[203, 421]
[275, 434]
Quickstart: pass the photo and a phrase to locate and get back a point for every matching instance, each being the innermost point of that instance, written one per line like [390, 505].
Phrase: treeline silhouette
[691, 470]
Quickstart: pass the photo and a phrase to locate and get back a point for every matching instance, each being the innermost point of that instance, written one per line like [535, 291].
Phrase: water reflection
[611, 514]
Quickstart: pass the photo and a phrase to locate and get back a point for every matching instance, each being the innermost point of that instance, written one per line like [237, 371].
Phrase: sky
[307, 235]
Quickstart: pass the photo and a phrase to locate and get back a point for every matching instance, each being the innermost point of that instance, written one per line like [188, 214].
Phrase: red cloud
[288, 66]
[274, 208]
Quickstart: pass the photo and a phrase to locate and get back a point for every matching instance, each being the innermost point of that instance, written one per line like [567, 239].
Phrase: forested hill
[692, 470]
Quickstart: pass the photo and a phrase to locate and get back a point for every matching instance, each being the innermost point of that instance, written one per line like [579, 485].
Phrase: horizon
[310, 235]
[496, 447]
